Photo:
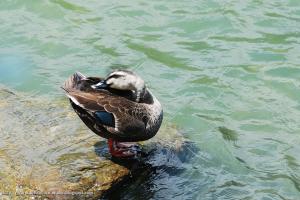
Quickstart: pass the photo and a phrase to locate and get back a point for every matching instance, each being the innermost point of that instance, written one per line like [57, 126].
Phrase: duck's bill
[100, 85]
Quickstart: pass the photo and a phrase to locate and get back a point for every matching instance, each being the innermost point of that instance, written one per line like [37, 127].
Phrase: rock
[46, 152]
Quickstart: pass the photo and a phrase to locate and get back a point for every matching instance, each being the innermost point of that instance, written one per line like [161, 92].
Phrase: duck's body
[115, 108]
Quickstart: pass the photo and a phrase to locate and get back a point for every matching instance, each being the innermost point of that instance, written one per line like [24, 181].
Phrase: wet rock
[46, 152]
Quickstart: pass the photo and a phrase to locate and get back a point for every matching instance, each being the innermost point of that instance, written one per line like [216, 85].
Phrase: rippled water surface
[227, 73]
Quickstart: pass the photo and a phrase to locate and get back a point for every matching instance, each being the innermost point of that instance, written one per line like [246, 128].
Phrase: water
[227, 73]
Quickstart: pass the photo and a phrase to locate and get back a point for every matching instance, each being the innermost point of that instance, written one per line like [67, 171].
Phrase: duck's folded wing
[87, 101]
[129, 120]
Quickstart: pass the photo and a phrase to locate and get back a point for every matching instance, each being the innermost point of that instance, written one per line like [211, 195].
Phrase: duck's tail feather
[73, 82]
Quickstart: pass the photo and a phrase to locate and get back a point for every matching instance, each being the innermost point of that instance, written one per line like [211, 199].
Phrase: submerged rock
[47, 152]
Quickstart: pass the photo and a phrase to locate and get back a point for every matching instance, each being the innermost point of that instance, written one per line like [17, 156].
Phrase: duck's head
[123, 80]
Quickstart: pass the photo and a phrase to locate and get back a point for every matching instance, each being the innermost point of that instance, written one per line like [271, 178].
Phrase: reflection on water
[157, 169]
[226, 72]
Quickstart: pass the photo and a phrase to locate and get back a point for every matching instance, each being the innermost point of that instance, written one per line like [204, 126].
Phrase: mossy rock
[48, 153]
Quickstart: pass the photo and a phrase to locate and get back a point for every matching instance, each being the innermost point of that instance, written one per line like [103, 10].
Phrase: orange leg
[110, 143]
[122, 149]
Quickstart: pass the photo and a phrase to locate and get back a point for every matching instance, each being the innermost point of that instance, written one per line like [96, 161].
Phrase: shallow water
[226, 72]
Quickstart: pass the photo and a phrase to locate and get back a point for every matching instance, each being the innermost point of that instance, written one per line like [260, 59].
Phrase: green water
[227, 73]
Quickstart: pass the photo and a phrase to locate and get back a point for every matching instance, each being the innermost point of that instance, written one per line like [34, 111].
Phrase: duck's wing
[119, 116]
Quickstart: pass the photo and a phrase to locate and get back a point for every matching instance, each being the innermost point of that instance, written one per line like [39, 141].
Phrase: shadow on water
[148, 171]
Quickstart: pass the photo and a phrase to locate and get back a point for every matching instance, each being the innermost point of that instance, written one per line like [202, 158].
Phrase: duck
[119, 108]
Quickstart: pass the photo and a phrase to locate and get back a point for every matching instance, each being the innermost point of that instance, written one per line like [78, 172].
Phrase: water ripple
[226, 72]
